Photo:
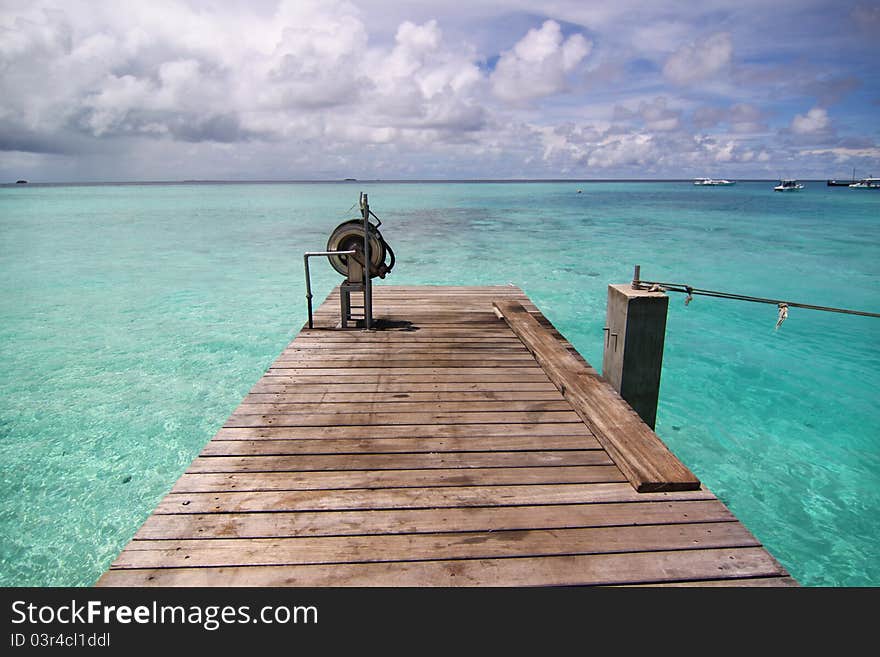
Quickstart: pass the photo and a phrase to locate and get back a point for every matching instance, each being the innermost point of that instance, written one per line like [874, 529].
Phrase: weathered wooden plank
[267, 446]
[365, 357]
[400, 406]
[767, 582]
[421, 334]
[389, 418]
[475, 305]
[419, 291]
[441, 318]
[304, 376]
[400, 363]
[397, 461]
[408, 521]
[455, 293]
[510, 371]
[637, 450]
[460, 302]
[439, 315]
[459, 340]
[464, 347]
[406, 431]
[294, 396]
[280, 384]
[345, 349]
[410, 498]
[328, 480]
[451, 455]
[570, 570]
[431, 547]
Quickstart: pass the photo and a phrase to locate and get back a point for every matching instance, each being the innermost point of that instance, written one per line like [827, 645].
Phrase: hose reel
[349, 236]
[357, 250]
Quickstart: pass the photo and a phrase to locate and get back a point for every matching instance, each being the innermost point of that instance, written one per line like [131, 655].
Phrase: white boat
[788, 186]
[867, 183]
[713, 181]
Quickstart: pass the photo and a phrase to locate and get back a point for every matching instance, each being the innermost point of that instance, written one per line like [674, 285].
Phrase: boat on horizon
[867, 183]
[713, 182]
[843, 183]
[788, 185]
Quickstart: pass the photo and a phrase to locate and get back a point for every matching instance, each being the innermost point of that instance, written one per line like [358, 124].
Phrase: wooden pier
[465, 443]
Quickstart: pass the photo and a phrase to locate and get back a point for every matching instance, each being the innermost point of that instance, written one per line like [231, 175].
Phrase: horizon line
[190, 181]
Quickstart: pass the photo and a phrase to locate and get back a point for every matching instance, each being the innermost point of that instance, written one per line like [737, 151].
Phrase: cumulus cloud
[845, 154]
[538, 64]
[699, 60]
[722, 152]
[305, 72]
[745, 118]
[654, 115]
[708, 117]
[315, 63]
[569, 143]
[816, 120]
[618, 150]
[422, 84]
[741, 118]
[619, 146]
[658, 116]
[305, 88]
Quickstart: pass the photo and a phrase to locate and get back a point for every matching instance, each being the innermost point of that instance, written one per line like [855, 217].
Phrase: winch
[357, 250]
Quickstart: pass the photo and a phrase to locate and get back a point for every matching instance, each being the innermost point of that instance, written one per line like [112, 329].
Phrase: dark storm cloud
[14, 138]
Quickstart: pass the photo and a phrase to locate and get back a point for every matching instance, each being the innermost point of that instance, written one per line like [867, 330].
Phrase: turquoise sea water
[136, 317]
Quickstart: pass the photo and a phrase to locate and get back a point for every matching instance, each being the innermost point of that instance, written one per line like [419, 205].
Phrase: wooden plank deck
[435, 452]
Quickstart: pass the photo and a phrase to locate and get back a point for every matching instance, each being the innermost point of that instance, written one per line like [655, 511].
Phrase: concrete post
[634, 335]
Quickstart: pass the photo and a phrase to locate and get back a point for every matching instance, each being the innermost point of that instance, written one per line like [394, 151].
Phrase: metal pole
[308, 288]
[368, 285]
[306, 257]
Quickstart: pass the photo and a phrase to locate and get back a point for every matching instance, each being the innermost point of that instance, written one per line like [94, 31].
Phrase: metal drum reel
[349, 236]
[357, 250]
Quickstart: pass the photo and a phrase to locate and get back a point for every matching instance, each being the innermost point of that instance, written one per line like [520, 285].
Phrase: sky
[482, 89]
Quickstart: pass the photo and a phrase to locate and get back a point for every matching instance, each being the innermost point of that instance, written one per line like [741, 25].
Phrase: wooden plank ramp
[442, 449]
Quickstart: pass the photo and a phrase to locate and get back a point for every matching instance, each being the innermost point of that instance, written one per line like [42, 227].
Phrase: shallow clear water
[135, 318]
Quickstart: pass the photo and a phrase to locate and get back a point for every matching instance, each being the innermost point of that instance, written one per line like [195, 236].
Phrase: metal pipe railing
[306, 257]
[368, 279]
